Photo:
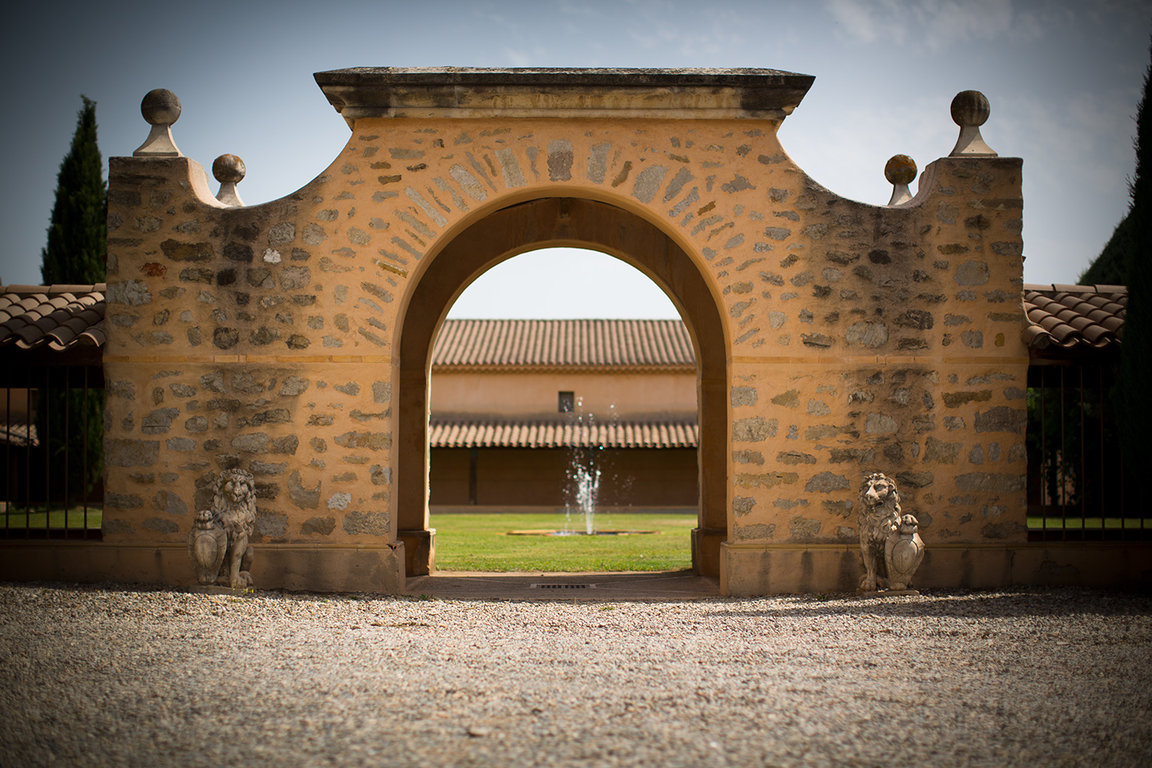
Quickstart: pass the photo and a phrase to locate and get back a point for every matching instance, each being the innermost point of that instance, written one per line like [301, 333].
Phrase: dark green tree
[1114, 263]
[70, 422]
[77, 233]
[1127, 260]
[1136, 347]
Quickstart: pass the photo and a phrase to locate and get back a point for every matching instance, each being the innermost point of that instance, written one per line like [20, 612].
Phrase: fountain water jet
[583, 473]
[583, 488]
[583, 476]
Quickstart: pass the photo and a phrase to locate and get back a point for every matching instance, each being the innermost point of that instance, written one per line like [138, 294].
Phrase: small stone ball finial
[160, 107]
[228, 168]
[229, 171]
[970, 110]
[900, 170]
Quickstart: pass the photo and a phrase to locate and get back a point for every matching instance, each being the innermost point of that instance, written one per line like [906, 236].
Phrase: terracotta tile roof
[1074, 318]
[56, 317]
[569, 433]
[563, 344]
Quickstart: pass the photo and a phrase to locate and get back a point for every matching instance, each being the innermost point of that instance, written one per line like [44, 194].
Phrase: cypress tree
[77, 234]
[1114, 263]
[1127, 260]
[1136, 348]
[69, 422]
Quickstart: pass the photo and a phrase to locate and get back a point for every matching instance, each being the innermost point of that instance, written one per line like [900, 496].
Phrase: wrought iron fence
[1080, 486]
[52, 444]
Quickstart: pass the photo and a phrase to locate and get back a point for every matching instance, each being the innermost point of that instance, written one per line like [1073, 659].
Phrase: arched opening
[563, 405]
[524, 227]
[562, 284]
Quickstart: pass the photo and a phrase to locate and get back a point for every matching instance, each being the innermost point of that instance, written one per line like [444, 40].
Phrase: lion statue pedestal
[219, 541]
[890, 542]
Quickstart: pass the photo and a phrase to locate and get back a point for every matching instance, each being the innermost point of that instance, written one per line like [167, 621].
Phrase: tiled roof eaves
[568, 368]
[56, 317]
[539, 433]
[1073, 320]
[568, 343]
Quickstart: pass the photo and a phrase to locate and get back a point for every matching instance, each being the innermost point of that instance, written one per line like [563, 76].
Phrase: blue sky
[1063, 79]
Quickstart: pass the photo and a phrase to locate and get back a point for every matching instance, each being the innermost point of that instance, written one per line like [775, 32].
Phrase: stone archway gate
[845, 338]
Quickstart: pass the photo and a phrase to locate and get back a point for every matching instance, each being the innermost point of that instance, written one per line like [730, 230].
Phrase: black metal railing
[52, 432]
[1080, 483]
[1080, 487]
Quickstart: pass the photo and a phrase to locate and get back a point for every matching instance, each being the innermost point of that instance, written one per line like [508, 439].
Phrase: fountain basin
[548, 532]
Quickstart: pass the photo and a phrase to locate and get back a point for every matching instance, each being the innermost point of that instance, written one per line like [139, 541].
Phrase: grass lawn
[37, 518]
[1036, 523]
[482, 542]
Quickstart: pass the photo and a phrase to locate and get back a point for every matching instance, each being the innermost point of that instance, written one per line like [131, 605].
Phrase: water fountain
[583, 472]
[583, 487]
[583, 481]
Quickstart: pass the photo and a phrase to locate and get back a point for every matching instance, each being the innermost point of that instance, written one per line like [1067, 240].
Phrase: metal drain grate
[563, 586]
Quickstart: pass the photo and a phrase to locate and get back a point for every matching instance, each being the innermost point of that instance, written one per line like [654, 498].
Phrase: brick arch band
[542, 223]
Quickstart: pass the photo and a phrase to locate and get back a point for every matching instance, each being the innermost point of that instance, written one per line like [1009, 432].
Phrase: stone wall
[860, 338]
[886, 338]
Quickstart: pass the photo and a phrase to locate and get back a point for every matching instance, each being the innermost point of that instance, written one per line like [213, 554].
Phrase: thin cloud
[685, 34]
[928, 24]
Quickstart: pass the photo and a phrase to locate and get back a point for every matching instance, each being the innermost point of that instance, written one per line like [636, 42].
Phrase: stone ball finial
[229, 171]
[970, 110]
[160, 107]
[900, 170]
[228, 168]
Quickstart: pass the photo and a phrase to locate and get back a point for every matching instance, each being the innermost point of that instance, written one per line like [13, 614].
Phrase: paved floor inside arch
[632, 585]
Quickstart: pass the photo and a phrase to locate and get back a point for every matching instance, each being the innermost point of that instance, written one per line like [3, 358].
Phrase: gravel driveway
[120, 676]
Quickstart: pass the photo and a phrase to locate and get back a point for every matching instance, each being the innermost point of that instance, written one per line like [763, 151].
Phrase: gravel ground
[120, 676]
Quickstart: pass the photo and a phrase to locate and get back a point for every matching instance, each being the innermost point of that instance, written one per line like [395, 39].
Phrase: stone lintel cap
[557, 92]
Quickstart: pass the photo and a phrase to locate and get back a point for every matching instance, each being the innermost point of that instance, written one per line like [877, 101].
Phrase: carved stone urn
[903, 552]
[207, 543]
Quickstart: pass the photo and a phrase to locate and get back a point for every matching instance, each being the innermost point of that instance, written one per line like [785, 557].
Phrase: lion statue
[219, 541]
[890, 542]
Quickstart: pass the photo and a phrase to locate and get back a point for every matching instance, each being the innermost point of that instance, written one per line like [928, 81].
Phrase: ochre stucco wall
[859, 338]
[605, 395]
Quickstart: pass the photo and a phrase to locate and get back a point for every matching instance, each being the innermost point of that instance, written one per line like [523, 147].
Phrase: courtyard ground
[113, 675]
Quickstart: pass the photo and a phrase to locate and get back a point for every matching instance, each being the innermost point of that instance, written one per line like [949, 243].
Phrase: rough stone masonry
[854, 338]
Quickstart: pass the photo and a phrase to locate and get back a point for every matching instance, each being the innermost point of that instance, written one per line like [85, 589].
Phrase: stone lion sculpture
[219, 541]
[890, 542]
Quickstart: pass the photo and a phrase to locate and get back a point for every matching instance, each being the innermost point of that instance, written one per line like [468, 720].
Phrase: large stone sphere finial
[160, 109]
[229, 171]
[970, 110]
[900, 170]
